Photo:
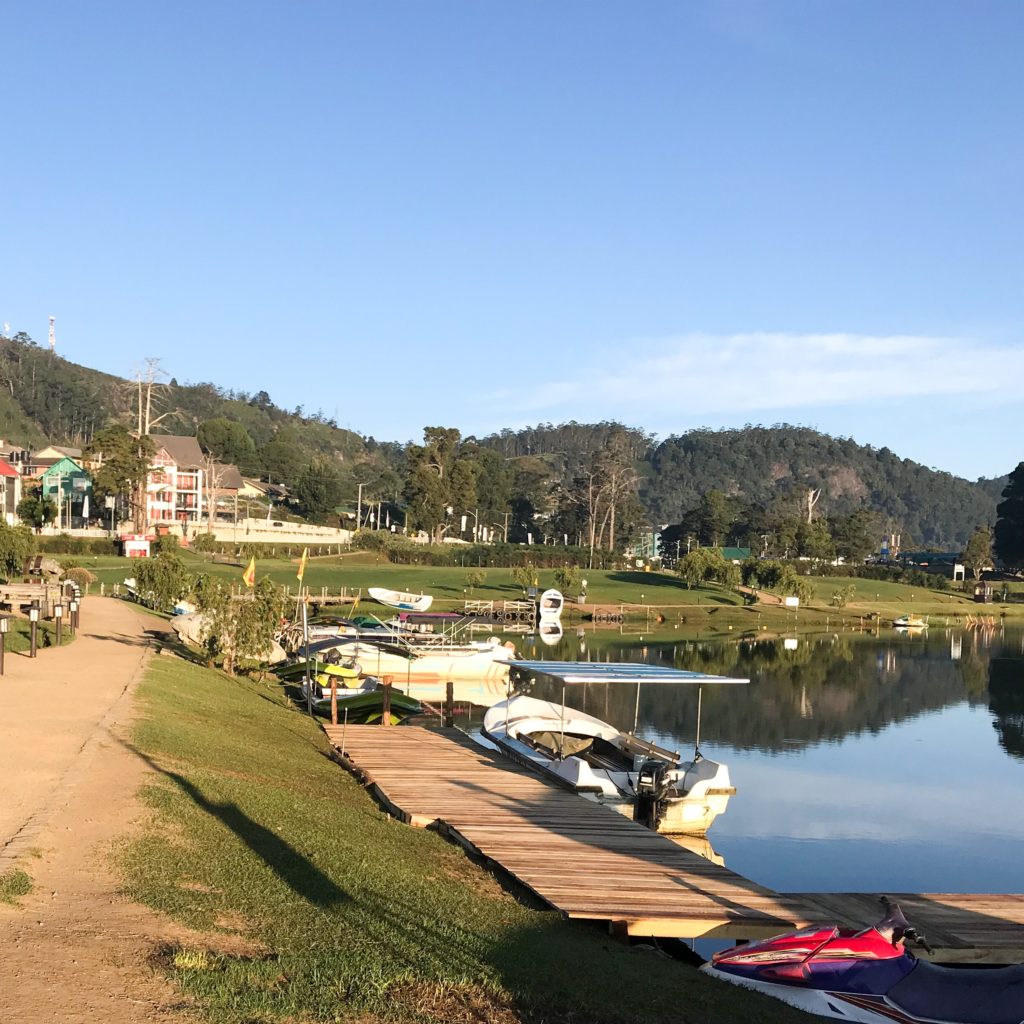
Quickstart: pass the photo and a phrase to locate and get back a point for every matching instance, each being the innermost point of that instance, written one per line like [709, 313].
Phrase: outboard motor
[652, 784]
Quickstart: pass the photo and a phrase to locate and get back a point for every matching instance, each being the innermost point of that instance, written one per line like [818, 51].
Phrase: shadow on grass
[303, 877]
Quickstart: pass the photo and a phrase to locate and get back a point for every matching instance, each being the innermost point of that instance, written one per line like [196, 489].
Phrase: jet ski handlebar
[895, 926]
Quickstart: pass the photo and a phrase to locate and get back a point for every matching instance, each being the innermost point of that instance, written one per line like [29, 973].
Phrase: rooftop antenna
[53, 334]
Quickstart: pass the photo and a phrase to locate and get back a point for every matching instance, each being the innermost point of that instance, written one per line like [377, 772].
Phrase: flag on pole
[355, 604]
[249, 576]
[302, 564]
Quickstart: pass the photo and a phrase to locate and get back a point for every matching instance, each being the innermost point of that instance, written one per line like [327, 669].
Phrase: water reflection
[825, 689]
[861, 764]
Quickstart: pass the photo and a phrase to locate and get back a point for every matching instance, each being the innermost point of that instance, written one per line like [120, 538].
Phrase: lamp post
[33, 617]
[58, 614]
[5, 625]
[73, 617]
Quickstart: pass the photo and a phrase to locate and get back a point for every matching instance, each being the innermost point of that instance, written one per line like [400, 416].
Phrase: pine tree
[1009, 532]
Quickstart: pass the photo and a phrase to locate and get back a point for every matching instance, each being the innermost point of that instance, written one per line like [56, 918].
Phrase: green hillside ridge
[525, 481]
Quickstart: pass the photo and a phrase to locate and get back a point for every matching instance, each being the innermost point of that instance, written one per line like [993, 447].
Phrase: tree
[440, 482]
[124, 462]
[163, 581]
[238, 627]
[713, 518]
[318, 489]
[36, 509]
[283, 460]
[814, 541]
[1009, 534]
[16, 544]
[855, 535]
[475, 578]
[523, 577]
[228, 441]
[977, 555]
[567, 579]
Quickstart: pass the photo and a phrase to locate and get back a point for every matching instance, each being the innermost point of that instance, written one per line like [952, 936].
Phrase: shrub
[80, 575]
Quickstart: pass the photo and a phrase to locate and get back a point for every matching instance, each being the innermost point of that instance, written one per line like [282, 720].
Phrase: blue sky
[485, 214]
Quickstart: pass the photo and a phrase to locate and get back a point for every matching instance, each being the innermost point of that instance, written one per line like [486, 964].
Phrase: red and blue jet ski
[871, 977]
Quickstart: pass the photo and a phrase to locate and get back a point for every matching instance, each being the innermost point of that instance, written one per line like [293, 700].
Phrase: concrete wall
[261, 531]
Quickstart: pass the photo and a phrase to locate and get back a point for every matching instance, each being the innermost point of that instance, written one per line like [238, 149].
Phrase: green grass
[348, 915]
[18, 639]
[14, 883]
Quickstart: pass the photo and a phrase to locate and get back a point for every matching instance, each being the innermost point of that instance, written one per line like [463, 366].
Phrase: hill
[773, 467]
[46, 398]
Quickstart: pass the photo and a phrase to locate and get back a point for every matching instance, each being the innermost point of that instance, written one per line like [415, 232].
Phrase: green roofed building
[69, 487]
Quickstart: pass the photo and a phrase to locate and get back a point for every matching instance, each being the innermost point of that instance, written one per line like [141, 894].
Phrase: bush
[63, 544]
[567, 579]
[80, 575]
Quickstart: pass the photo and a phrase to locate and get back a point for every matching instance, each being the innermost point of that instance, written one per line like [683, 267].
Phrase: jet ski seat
[980, 995]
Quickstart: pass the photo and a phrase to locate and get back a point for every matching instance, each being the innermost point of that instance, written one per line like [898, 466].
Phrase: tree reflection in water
[828, 688]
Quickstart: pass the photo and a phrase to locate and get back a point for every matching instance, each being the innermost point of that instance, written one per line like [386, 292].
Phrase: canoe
[401, 599]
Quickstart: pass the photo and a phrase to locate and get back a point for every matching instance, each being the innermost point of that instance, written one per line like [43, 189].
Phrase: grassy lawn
[446, 583]
[349, 916]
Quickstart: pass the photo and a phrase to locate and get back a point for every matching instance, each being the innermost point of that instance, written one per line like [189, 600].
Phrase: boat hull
[400, 599]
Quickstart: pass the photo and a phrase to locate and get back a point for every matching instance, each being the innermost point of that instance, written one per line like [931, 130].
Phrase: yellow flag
[355, 605]
[249, 576]
[302, 564]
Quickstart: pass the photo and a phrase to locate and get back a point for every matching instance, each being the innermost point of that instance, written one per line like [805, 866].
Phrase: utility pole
[359, 507]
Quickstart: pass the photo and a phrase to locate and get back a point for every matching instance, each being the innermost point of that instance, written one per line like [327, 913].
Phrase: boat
[550, 632]
[871, 976]
[639, 779]
[363, 705]
[421, 660]
[910, 622]
[400, 599]
[551, 604]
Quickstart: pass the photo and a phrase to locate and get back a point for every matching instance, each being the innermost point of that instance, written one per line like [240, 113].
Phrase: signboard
[792, 602]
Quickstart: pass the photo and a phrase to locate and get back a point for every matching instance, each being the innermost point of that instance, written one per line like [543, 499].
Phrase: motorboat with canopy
[649, 783]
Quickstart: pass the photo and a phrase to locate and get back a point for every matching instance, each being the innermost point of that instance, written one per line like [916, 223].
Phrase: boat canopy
[569, 672]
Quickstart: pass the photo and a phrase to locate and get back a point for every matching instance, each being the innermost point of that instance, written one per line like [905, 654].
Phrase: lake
[871, 764]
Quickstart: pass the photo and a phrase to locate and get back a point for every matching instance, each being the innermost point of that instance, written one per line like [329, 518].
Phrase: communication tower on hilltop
[53, 334]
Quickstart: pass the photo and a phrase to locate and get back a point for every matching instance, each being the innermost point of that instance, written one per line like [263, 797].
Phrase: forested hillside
[769, 465]
[593, 483]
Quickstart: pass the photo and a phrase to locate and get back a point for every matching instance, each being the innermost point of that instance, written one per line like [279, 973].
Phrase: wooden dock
[591, 863]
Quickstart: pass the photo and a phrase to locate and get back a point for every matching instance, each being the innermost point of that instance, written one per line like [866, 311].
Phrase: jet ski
[871, 977]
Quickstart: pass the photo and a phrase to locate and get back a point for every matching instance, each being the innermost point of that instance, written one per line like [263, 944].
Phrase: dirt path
[73, 951]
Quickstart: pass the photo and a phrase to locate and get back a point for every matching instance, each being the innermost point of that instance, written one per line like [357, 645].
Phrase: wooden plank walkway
[583, 859]
[589, 862]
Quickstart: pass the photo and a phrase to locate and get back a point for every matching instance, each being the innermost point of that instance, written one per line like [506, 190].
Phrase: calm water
[886, 765]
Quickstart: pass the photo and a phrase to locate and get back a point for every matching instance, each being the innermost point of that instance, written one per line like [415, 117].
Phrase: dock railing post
[385, 708]
[449, 704]
[334, 700]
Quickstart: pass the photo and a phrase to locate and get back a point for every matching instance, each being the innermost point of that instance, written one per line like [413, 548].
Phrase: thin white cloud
[700, 374]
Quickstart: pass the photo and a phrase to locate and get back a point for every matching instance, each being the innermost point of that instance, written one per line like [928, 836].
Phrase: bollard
[58, 614]
[449, 704]
[33, 614]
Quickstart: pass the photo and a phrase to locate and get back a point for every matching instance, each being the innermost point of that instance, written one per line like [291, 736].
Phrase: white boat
[551, 604]
[407, 662]
[550, 632]
[400, 599]
[636, 778]
[910, 622]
